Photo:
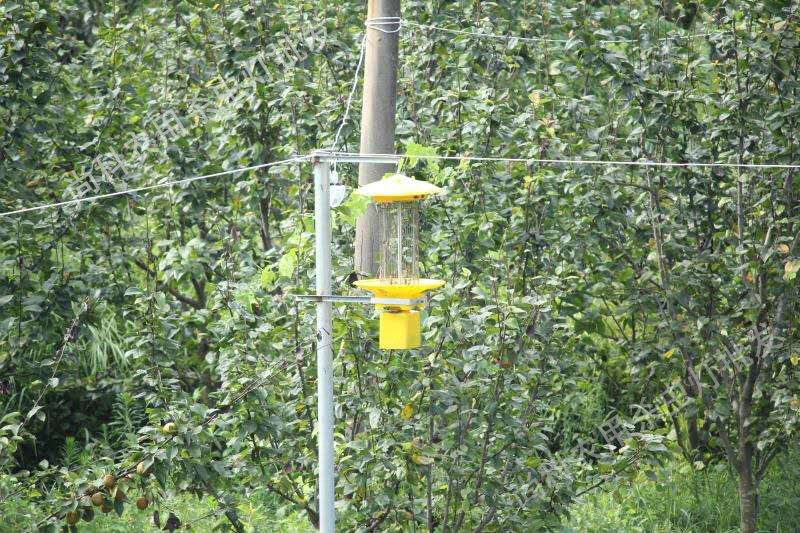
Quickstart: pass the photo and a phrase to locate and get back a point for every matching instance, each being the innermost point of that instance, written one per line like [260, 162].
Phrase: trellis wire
[150, 187]
[526, 160]
[510, 37]
[530, 160]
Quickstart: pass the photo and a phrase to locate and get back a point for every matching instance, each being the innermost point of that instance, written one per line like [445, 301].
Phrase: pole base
[400, 330]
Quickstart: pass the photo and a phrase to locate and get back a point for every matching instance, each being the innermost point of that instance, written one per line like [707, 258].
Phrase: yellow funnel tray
[387, 288]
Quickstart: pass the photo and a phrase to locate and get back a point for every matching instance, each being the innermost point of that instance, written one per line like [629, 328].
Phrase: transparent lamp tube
[399, 231]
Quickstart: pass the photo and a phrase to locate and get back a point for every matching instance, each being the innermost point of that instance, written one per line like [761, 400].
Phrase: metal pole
[322, 231]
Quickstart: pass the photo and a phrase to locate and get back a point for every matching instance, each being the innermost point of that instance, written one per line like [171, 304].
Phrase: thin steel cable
[527, 160]
[377, 22]
[507, 37]
[482, 35]
[643, 163]
[352, 90]
[150, 187]
[374, 24]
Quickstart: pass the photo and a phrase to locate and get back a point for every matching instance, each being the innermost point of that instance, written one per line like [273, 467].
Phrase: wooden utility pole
[377, 121]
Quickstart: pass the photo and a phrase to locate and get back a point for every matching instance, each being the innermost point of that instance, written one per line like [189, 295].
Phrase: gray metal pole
[322, 231]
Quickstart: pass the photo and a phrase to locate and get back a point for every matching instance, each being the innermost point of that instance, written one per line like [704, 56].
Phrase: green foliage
[413, 153]
[352, 208]
[257, 513]
[679, 498]
[574, 292]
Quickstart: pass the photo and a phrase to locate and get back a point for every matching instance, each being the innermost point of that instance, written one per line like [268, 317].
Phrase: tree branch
[166, 288]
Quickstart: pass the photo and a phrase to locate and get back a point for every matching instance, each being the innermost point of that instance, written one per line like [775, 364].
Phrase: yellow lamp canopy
[398, 199]
[398, 188]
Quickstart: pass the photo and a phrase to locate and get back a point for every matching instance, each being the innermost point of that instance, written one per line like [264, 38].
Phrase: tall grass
[256, 513]
[104, 347]
[681, 499]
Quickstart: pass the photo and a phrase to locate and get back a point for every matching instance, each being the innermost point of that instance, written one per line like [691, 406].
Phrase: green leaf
[287, 263]
[413, 151]
[353, 207]
[161, 475]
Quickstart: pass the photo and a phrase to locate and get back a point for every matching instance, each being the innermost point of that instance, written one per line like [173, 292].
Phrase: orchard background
[615, 349]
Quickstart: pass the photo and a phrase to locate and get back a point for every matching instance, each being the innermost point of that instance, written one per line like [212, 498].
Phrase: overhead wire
[526, 160]
[377, 24]
[381, 24]
[155, 186]
[352, 91]
[530, 160]
[511, 37]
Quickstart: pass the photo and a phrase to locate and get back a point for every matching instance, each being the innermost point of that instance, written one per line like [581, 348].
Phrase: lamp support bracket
[361, 299]
[326, 156]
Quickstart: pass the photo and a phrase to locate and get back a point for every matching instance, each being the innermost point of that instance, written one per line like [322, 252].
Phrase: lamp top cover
[398, 188]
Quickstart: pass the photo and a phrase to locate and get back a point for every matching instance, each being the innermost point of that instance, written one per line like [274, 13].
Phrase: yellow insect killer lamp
[398, 199]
